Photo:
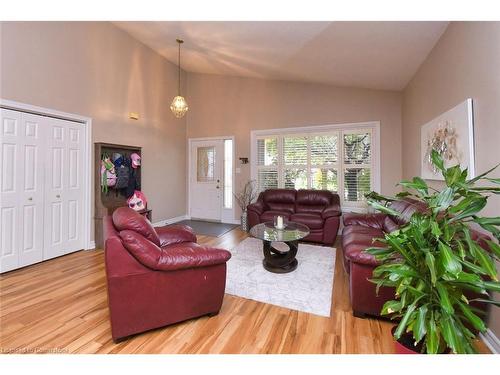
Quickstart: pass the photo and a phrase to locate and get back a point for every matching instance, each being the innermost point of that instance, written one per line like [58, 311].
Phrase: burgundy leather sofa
[318, 209]
[358, 234]
[158, 276]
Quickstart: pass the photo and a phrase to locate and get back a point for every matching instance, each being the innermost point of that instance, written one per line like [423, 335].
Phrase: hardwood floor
[60, 306]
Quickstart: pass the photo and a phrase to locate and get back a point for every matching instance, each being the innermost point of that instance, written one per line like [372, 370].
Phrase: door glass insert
[206, 164]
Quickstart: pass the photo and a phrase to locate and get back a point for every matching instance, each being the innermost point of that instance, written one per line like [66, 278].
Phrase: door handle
[217, 187]
[58, 196]
[30, 198]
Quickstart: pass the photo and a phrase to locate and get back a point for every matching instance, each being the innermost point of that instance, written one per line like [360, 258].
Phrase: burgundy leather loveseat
[358, 234]
[158, 276]
[318, 209]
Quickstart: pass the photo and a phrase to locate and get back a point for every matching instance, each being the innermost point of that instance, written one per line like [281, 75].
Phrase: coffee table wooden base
[280, 261]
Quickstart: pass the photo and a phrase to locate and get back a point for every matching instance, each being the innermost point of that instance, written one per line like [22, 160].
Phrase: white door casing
[206, 179]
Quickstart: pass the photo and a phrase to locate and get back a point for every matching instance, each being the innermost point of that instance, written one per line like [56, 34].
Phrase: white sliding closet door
[42, 191]
[64, 188]
[22, 189]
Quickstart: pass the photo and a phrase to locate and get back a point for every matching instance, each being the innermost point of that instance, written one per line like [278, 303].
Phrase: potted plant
[246, 196]
[435, 265]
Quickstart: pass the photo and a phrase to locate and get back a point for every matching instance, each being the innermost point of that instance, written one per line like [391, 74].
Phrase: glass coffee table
[275, 260]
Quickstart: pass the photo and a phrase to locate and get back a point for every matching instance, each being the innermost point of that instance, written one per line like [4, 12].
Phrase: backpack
[122, 177]
[108, 175]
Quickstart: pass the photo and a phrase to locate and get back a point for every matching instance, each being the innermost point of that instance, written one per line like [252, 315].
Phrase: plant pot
[405, 345]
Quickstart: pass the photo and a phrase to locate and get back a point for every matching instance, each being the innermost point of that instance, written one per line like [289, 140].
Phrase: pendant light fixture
[179, 106]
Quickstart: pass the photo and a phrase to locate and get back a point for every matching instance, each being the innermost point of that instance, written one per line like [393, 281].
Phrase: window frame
[339, 166]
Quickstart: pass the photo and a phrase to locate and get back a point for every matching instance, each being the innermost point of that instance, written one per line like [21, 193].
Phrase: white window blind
[339, 160]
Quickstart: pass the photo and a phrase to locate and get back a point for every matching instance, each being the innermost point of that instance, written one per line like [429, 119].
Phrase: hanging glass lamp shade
[179, 106]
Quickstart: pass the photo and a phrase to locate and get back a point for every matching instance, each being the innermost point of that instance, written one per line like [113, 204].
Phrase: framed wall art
[451, 134]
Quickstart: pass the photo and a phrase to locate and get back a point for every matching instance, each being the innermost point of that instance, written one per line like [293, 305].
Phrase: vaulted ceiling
[376, 55]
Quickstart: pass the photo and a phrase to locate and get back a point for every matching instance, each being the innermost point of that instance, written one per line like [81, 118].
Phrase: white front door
[205, 181]
[22, 189]
[64, 189]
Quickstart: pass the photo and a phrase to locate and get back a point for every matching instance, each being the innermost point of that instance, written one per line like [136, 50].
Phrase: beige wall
[226, 106]
[96, 70]
[464, 64]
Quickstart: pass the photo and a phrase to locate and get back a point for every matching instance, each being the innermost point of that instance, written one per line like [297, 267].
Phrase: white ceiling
[377, 55]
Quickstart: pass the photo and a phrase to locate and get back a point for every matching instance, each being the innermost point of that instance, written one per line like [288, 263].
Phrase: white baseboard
[233, 221]
[171, 221]
[91, 246]
[491, 341]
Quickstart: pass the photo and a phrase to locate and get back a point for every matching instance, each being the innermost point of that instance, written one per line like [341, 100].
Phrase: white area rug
[308, 288]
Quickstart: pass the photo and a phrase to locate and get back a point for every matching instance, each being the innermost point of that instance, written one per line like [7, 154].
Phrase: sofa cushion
[366, 239]
[174, 257]
[312, 201]
[362, 230]
[355, 252]
[125, 218]
[270, 215]
[407, 207]
[312, 221]
[389, 225]
[173, 234]
[282, 200]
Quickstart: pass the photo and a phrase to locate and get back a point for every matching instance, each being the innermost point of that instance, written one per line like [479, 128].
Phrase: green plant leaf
[475, 320]
[492, 285]
[492, 302]
[494, 247]
[435, 229]
[477, 178]
[391, 307]
[444, 298]
[419, 327]
[488, 220]
[474, 267]
[449, 260]
[453, 175]
[382, 208]
[449, 330]
[403, 324]
[437, 160]
[494, 180]
[430, 261]
[486, 261]
[473, 208]
[432, 337]
[443, 200]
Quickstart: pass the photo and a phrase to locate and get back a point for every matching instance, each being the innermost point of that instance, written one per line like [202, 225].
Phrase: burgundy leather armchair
[318, 209]
[359, 233]
[158, 277]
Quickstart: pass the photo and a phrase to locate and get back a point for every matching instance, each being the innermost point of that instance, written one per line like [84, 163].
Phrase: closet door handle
[58, 196]
[30, 198]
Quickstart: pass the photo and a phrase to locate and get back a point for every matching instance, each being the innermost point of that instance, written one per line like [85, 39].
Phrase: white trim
[172, 220]
[374, 125]
[224, 216]
[472, 149]
[88, 166]
[491, 341]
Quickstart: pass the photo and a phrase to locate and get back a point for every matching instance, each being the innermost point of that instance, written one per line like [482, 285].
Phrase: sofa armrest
[331, 211]
[257, 207]
[187, 257]
[177, 258]
[173, 234]
[375, 220]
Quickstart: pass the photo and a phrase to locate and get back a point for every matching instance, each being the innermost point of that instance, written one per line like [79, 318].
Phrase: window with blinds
[339, 160]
